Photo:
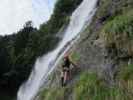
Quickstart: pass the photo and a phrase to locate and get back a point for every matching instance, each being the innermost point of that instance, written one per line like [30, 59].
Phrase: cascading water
[47, 63]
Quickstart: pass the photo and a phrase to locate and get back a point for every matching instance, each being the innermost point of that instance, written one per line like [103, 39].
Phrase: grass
[57, 93]
[125, 78]
[126, 73]
[119, 32]
[91, 87]
[119, 27]
[53, 94]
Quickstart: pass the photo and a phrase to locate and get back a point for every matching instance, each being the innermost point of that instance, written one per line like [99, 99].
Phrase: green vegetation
[119, 32]
[110, 9]
[125, 73]
[19, 51]
[125, 79]
[91, 87]
[53, 94]
[57, 93]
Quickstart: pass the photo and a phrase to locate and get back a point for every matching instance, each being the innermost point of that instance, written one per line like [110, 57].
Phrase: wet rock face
[93, 52]
[95, 57]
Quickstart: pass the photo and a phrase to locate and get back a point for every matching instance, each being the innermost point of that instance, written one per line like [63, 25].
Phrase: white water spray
[47, 63]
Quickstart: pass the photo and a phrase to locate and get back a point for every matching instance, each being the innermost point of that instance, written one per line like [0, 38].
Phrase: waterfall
[44, 65]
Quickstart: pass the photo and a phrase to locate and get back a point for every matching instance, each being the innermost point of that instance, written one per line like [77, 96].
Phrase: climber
[65, 74]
